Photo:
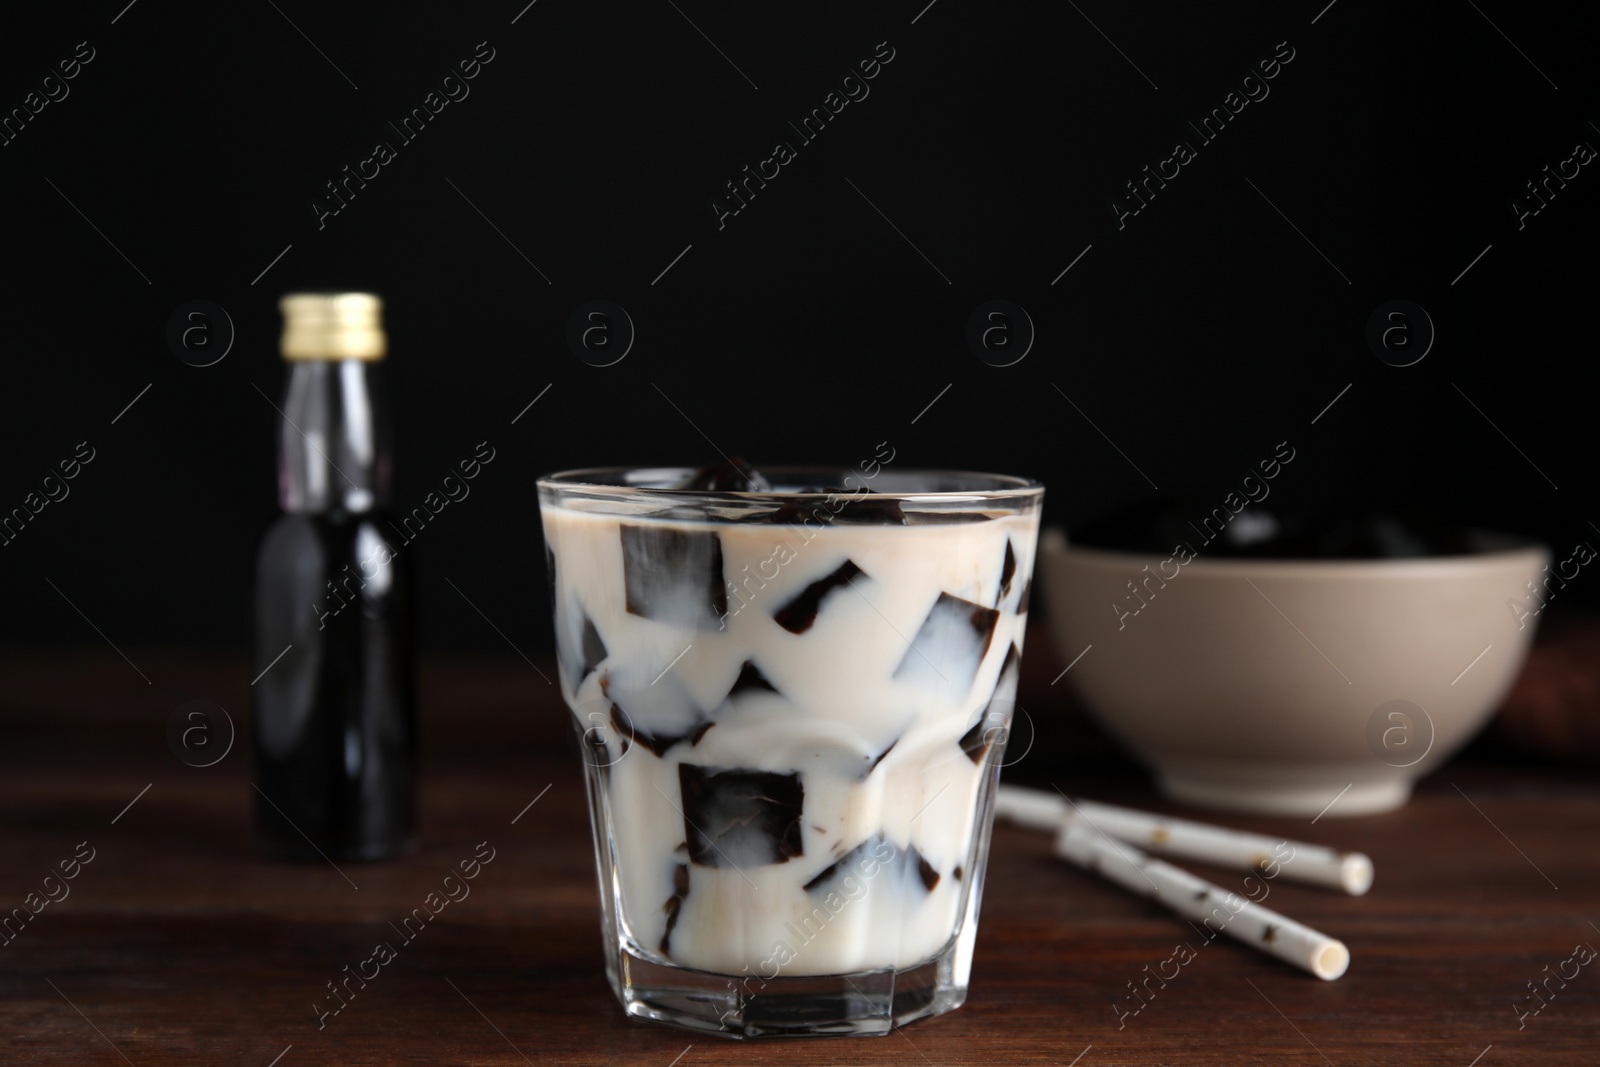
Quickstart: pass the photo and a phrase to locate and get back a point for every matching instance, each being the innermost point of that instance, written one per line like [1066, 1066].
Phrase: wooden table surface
[179, 945]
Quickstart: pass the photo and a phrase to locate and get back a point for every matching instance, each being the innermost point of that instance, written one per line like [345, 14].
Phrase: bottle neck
[333, 444]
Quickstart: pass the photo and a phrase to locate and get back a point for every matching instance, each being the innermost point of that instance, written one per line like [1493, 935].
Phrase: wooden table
[178, 945]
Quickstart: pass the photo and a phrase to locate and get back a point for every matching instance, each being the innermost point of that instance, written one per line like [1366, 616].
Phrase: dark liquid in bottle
[334, 719]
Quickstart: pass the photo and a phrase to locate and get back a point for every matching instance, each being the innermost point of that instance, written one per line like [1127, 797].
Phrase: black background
[807, 330]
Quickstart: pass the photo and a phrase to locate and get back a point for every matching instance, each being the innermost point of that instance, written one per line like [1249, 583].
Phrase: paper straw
[1216, 909]
[1033, 808]
[1318, 865]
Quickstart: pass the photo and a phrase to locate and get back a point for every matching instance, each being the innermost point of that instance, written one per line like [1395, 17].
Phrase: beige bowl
[1281, 686]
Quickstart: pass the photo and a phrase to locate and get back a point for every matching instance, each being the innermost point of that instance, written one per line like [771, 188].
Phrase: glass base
[866, 1003]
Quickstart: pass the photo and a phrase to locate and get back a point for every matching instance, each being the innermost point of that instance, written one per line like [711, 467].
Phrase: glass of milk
[792, 703]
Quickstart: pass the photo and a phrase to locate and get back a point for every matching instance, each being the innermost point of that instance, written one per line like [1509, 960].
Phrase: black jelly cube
[976, 741]
[740, 818]
[657, 742]
[674, 575]
[680, 892]
[870, 862]
[581, 650]
[798, 614]
[733, 475]
[751, 679]
[994, 722]
[950, 645]
[594, 649]
[1008, 571]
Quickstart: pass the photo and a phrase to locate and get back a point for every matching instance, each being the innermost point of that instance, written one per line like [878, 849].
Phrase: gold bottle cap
[333, 326]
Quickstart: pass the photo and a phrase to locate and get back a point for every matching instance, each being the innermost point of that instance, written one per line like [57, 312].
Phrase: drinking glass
[792, 706]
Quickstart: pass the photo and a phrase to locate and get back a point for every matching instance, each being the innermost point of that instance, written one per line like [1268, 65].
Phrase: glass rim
[610, 482]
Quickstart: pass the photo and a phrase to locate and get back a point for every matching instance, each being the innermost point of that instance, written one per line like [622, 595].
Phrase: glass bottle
[333, 701]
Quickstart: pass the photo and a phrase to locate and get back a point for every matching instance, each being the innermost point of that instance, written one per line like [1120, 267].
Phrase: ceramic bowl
[1284, 686]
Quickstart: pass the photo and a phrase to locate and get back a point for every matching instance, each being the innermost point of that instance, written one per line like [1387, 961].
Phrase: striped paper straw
[1296, 861]
[1218, 910]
